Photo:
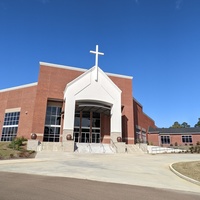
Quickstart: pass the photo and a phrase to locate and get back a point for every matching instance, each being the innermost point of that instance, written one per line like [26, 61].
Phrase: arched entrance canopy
[93, 107]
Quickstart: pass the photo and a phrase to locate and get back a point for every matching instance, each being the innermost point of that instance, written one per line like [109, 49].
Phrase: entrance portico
[89, 120]
[88, 94]
[101, 95]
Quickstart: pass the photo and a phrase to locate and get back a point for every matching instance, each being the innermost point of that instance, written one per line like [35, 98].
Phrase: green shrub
[192, 149]
[17, 143]
[195, 149]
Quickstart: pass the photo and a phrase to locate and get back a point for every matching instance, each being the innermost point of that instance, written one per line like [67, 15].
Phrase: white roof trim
[119, 75]
[82, 70]
[19, 87]
[62, 66]
[88, 71]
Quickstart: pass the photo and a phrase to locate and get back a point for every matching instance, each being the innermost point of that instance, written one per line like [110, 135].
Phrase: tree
[176, 125]
[197, 124]
[185, 125]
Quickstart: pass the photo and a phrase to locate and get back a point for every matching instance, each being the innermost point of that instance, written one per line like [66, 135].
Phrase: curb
[183, 176]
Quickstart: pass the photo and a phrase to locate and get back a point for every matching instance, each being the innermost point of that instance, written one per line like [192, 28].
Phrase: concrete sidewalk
[133, 169]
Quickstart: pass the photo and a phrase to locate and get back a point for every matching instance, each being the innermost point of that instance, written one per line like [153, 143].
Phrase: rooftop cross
[97, 53]
[96, 60]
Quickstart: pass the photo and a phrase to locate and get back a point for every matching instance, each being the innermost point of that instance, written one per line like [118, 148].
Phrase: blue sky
[155, 41]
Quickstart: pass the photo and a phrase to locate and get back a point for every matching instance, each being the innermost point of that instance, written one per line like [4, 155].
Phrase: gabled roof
[193, 130]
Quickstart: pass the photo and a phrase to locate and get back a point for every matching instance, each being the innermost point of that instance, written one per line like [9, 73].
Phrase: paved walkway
[133, 169]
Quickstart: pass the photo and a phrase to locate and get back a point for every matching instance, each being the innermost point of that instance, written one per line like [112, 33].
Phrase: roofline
[137, 102]
[148, 117]
[81, 69]
[180, 133]
[19, 87]
[142, 108]
[177, 131]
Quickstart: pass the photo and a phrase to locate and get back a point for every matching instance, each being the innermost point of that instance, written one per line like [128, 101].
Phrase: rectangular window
[96, 120]
[186, 138]
[10, 126]
[77, 119]
[165, 139]
[52, 124]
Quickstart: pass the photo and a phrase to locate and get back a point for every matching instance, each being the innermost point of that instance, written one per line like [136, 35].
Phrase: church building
[69, 105]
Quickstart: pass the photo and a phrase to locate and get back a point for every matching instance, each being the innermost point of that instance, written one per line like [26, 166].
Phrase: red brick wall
[178, 139]
[51, 84]
[128, 128]
[23, 98]
[105, 128]
[195, 139]
[141, 119]
[153, 139]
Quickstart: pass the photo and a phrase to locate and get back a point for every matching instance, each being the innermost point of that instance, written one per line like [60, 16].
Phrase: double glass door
[87, 127]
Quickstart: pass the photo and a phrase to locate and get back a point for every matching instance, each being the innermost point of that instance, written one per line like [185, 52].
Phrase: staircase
[93, 148]
[134, 149]
[50, 146]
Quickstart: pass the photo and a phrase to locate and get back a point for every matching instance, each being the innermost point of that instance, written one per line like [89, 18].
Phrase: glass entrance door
[96, 136]
[85, 136]
[87, 127]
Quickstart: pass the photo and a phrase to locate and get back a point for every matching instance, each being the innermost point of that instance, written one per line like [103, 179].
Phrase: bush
[195, 149]
[17, 143]
[192, 149]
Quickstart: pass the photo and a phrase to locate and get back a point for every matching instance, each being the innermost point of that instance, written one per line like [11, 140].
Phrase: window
[165, 139]
[10, 126]
[85, 119]
[52, 124]
[186, 138]
[96, 120]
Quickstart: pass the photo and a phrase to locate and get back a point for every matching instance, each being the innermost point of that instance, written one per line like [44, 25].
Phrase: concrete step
[158, 149]
[50, 146]
[94, 148]
[133, 149]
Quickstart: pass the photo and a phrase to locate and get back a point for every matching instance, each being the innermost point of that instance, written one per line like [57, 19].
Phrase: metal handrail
[101, 144]
[88, 143]
[114, 145]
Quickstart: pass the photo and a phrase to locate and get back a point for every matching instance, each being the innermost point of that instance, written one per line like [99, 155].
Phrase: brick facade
[52, 80]
[32, 100]
[23, 98]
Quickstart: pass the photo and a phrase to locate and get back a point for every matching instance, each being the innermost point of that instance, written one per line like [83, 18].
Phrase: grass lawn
[189, 169]
[9, 153]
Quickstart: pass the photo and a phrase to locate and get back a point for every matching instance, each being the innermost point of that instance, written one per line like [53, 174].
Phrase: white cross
[96, 59]
[97, 53]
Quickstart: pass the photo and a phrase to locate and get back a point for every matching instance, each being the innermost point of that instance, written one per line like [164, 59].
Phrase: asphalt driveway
[133, 169]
